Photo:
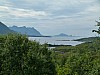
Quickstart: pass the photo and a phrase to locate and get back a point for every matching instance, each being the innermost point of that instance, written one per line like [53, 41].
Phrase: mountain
[62, 35]
[26, 30]
[4, 29]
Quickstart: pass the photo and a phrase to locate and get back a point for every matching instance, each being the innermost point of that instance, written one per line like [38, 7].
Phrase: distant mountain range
[29, 31]
[4, 29]
[62, 35]
[22, 30]
[26, 30]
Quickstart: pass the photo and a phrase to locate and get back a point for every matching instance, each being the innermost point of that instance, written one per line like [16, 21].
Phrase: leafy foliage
[83, 59]
[20, 56]
[97, 31]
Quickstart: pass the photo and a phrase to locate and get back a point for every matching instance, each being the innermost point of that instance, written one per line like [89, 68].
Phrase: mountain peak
[1, 23]
[62, 34]
[4, 29]
[30, 31]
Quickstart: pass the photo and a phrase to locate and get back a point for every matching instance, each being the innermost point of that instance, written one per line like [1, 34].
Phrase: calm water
[57, 40]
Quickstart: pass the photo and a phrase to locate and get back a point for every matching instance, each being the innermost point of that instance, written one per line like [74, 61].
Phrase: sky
[52, 17]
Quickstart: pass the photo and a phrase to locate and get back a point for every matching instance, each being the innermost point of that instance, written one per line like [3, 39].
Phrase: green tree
[20, 56]
[97, 31]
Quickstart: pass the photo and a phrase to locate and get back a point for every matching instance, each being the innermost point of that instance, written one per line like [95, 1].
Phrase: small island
[62, 35]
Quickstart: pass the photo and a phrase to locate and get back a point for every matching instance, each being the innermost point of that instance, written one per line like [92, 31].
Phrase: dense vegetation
[83, 59]
[20, 56]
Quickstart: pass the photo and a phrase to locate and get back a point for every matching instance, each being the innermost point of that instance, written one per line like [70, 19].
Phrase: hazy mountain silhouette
[26, 30]
[62, 35]
[4, 29]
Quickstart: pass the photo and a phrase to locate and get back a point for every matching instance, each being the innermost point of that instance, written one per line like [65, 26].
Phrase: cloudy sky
[50, 17]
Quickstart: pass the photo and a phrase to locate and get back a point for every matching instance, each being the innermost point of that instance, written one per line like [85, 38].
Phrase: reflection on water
[57, 40]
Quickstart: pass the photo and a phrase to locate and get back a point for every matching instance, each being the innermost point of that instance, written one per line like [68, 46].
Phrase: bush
[20, 56]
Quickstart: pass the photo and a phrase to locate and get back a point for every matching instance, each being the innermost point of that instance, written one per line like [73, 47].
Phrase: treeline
[20, 56]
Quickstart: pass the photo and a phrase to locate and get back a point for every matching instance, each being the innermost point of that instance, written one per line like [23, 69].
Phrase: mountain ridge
[30, 31]
[4, 29]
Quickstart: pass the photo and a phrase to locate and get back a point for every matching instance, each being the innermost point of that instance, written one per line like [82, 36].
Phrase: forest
[21, 56]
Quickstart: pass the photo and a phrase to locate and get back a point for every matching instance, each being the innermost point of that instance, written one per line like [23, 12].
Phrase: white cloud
[24, 13]
[54, 8]
[94, 9]
[28, 13]
[6, 3]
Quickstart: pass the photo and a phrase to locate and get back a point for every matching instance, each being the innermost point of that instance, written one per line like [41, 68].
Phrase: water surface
[57, 40]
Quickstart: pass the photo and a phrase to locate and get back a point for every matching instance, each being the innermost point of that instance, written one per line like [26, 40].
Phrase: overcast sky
[50, 17]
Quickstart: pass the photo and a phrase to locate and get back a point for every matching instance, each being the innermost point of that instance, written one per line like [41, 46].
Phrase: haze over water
[57, 40]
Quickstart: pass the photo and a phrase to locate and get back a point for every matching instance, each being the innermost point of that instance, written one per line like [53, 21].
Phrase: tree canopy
[20, 56]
